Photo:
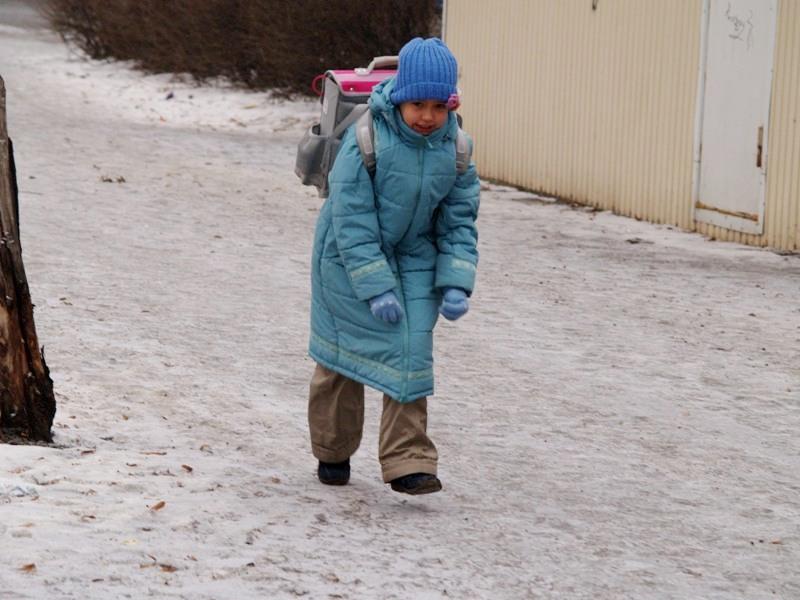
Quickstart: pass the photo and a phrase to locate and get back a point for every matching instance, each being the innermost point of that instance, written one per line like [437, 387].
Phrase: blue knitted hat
[427, 71]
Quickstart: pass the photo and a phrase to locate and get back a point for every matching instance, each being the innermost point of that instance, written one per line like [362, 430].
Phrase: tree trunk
[27, 403]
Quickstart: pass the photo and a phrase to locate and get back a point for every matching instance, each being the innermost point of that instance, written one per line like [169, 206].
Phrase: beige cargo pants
[336, 420]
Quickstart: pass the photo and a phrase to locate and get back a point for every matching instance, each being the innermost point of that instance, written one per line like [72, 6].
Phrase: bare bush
[261, 44]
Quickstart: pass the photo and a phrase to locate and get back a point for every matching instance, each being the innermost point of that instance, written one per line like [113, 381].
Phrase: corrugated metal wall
[598, 106]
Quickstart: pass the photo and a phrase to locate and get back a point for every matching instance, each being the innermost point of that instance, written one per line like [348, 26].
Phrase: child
[389, 250]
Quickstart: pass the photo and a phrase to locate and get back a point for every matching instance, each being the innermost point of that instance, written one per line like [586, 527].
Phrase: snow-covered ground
[617, 417]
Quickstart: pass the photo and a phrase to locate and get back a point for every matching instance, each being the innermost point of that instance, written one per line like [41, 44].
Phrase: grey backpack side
[317, 151]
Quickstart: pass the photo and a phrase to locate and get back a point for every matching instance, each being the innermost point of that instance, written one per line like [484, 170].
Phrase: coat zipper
[406, 328]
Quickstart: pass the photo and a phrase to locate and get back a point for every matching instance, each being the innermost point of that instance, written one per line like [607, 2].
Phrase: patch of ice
[11, 488]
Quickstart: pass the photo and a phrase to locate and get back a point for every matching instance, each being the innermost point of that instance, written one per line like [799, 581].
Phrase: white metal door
[734, 100]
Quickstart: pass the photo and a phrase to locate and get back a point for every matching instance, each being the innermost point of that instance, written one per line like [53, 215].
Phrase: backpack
[344, 102]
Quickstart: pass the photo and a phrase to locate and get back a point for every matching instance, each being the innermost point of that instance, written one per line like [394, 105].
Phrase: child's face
[424, 116]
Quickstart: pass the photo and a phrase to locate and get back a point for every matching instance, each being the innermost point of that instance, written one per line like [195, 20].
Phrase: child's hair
[427, 70]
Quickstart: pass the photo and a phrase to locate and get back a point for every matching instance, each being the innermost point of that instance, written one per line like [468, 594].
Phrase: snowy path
[615, 419]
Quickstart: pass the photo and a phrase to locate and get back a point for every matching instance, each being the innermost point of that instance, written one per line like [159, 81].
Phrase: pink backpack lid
[353, 83]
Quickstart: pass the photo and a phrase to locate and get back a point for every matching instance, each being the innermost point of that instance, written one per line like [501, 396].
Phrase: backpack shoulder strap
[365, 136]
[358, 111]
[463, 152]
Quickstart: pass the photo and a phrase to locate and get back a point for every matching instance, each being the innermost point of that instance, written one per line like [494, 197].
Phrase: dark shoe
[334, 473]
[416, 483]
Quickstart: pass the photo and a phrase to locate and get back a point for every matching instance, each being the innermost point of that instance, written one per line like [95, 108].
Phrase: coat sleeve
[355, 223]
[456, 234]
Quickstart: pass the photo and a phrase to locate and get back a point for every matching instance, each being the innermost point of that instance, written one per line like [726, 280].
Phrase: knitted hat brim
[424, 90]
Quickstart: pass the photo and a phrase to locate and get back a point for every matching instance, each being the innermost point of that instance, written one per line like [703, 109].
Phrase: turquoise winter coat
[410, 229]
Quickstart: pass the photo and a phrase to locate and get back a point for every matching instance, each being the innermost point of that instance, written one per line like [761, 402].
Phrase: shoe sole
[427, 488]
[334, 481]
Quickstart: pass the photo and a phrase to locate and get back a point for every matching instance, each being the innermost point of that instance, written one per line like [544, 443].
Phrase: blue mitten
[386, 307]
[454, 304]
